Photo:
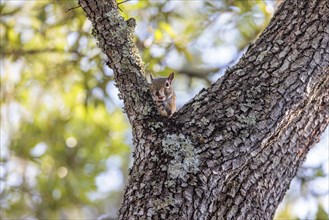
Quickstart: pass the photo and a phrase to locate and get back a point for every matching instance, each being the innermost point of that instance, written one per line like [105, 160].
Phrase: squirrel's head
[161, 88]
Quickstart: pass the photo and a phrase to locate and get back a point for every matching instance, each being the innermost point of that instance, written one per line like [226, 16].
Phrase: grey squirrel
[163, 95]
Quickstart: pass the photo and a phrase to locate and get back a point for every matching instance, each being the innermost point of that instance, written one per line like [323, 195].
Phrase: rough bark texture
[232, 151]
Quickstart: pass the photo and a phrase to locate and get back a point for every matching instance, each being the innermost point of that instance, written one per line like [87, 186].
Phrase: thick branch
[115, 37]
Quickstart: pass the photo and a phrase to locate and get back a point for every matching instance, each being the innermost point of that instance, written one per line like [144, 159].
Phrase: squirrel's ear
[151, 76]
[171, 76]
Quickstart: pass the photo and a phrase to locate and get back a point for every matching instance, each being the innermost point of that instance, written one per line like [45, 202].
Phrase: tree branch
[115, 37]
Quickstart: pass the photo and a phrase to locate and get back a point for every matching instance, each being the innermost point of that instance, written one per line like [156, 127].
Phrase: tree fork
[232, 151]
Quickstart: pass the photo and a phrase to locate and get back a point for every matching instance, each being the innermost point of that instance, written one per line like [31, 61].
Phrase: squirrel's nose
[160, 98]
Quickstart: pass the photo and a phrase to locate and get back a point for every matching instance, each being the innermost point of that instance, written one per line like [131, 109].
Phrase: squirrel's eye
[167, 84]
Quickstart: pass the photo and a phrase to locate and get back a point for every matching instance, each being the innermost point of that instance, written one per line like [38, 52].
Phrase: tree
[231, 152]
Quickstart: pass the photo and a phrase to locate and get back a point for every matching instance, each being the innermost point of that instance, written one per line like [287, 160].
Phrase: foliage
[55, 122]
[65, 144]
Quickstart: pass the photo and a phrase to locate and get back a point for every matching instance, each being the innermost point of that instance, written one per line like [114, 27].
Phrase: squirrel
[163, 95]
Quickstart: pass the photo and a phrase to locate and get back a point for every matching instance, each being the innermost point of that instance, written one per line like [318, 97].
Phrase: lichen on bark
[184, 155]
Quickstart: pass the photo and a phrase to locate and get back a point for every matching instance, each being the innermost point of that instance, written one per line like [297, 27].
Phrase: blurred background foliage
[65, 142]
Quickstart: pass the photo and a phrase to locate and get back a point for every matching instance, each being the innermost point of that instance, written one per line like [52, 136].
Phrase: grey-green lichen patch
[191, 122]
[185, 157]
[249, 120]
[146, 110]
[170, 183]
[156, 126]
[119, 33]
[203, 121]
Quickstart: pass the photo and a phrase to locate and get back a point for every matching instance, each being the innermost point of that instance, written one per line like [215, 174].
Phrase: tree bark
[232, 151]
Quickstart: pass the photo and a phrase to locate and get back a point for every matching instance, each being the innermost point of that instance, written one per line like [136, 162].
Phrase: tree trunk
[232, 151]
